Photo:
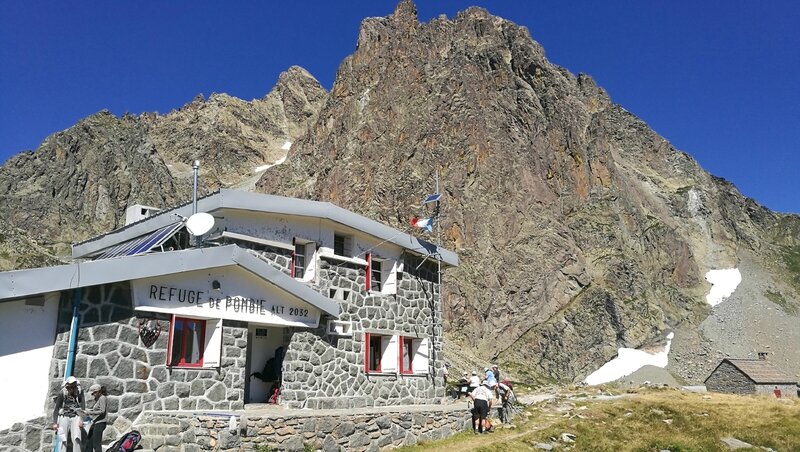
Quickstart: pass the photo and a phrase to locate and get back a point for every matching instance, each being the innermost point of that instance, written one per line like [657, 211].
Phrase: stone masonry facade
[322, 371]
[294, 430]
[727, 378]
[110, 352]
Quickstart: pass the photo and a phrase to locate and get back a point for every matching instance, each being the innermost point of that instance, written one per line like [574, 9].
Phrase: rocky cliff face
[79, 181]
[580, 230]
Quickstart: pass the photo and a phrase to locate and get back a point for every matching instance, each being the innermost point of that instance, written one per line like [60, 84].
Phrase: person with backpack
[482, 398]
[97, 414]
[66, 413]
[504, 394]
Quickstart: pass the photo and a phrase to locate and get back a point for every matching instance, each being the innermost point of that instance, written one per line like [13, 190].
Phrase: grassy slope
[647, 421]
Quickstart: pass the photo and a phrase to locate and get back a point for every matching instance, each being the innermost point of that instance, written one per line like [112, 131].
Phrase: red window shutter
[366, 352]
[294, 254]
[368, 279]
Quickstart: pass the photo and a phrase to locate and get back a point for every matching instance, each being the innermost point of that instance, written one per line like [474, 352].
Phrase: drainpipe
[73, 332]
[73, 341]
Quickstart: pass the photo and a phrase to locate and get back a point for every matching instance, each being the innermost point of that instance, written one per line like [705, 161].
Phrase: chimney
[762, 356]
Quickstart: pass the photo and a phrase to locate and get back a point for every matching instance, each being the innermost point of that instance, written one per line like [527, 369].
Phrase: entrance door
[263, 370]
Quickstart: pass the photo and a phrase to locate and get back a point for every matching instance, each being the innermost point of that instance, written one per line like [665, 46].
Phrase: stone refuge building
[337, 310]
[750, 376]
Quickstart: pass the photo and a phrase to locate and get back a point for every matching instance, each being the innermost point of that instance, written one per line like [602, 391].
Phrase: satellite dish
[199, 223]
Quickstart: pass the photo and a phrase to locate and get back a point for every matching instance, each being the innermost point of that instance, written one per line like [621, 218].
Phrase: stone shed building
[750, 376]
[335, 309]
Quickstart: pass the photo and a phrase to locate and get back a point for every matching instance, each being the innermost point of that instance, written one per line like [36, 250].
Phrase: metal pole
[195, 170]
[438, 276]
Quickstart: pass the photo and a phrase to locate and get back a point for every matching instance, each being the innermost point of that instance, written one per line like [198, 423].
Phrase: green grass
[791, 257]
[780, 300]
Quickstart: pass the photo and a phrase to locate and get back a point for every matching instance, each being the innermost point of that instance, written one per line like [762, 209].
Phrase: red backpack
[127, 443]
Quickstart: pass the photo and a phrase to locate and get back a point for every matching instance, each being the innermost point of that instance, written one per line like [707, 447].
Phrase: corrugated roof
[761, 371]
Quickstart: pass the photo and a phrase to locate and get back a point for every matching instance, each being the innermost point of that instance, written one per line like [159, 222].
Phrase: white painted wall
[261, 350]
[285, 228]
[27, 334]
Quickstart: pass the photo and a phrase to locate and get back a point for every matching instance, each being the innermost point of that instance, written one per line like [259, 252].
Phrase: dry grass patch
[649, 421]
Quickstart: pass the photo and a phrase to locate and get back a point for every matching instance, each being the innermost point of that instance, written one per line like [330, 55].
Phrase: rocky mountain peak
[569, 213]
[405, 13]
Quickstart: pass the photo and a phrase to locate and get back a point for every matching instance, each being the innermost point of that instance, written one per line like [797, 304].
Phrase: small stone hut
[750, 376]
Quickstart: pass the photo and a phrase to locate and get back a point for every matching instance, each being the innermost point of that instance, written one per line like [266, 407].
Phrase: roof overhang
[24, 283]
[256, 202]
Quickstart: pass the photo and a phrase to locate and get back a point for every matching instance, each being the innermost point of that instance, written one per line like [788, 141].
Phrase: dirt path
[480, 441]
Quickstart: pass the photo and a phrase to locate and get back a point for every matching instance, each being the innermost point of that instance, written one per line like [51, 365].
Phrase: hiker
[496, 373]
[474, 381]
[97, 415]
[69, 404]
[490, 377]
[445, 372]
[482, 398]
[506, 398]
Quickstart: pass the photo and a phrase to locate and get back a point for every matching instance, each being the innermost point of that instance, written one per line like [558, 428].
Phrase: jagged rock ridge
[79, 181]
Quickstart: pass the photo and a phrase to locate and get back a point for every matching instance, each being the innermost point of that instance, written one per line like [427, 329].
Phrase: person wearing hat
[496, 372]
[66, 413]
[482, 397]
[474, 381]
[97, 414]
[490, 377]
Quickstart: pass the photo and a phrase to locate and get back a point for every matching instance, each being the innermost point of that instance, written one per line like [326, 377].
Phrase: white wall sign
[240, 296]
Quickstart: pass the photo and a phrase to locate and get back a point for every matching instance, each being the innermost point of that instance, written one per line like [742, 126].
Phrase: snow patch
[723, 283]
[266, 167]
[628, 361]
[286, 146]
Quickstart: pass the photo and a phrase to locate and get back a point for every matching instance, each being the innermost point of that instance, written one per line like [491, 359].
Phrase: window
[407, 357]
[374, 353]
[380, 353]
[341, 245]
[299, 260]
[187, 342]
[375, 277]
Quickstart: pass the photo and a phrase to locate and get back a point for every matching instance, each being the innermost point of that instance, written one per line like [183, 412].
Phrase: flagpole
[438, 273]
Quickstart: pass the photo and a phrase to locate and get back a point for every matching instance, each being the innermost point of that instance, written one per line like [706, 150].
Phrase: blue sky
[718, 79]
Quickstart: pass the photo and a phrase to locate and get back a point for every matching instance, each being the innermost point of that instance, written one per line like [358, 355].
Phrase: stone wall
[294, 430]
[322, 371]
[110, 353]
[787, 390]
[727, 378]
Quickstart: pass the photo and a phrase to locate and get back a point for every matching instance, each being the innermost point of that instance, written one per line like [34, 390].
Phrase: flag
[422, 223]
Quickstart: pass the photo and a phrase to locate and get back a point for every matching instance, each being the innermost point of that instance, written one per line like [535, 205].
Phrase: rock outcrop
[79, 181]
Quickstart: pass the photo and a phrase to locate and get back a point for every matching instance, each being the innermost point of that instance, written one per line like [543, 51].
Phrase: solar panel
[432, 198]
[143, 244]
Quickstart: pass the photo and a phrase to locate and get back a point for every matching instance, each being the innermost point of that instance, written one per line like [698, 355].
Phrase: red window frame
[185, 332]
[406, 345]
[368, 279]
[368, 340]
